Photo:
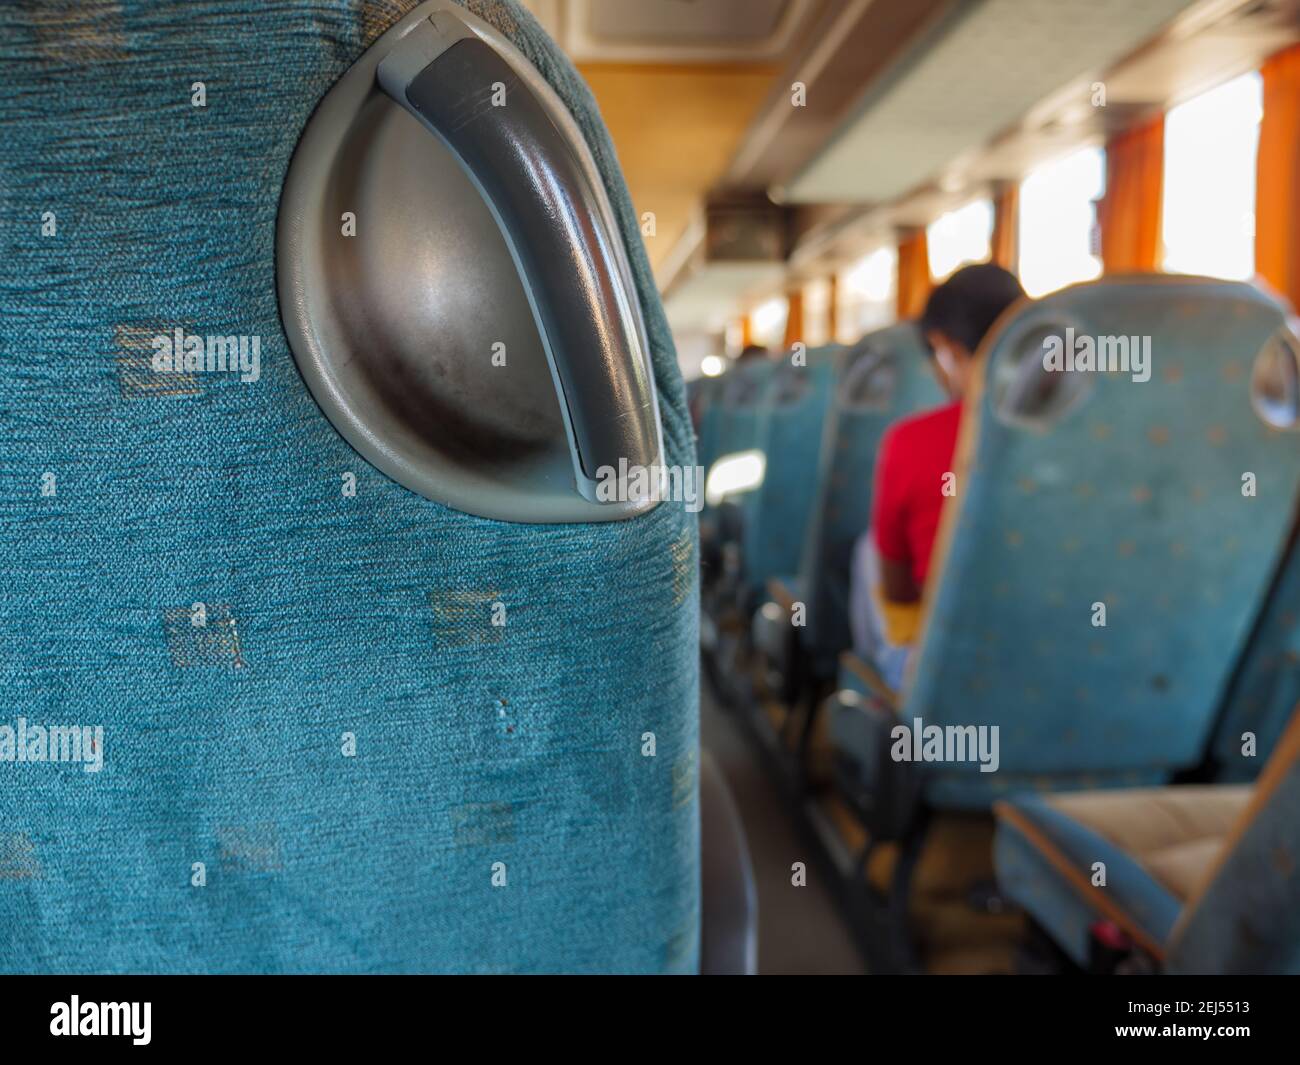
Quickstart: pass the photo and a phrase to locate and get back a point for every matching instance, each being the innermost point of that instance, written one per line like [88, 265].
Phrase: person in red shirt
[915, 457]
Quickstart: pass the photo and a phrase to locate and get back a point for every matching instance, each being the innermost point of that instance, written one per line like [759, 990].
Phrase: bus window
[959, 237]
[817, 324]
[865, 294]
[767, 323]
[1211, 143]
[1057, 218]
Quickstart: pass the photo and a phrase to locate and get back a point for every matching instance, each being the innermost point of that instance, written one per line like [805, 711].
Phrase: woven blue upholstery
[481, 751]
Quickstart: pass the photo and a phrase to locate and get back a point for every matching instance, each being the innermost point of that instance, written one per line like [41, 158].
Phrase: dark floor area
[800, 931]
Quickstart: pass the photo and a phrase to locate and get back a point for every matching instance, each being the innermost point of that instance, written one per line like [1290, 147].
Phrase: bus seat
[739, 424]
[797, 403]
[707, 407]
[1109, 674]
[740, 434]
[1195, 878]
[346, 727]
[883, 377]
[744, 407]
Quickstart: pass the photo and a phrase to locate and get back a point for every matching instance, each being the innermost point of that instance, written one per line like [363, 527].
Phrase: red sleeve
[889, 503]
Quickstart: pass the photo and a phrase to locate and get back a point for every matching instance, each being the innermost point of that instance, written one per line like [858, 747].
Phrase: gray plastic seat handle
[467, 94]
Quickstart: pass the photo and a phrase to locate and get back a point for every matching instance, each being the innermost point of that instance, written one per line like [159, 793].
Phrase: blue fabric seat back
[798, 397]
[707, 403]
[744, 410]
[1246, 919]
[1082, 490]
[711, 420]
[499, 812]
[885, 376]
[744, 407]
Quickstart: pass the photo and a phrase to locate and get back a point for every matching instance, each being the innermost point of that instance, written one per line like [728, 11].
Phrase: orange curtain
[913, 275]
[833, 308]
[1006, 226]
[793, 319]
[1277, 177]
[1130, 212]
[746, 331]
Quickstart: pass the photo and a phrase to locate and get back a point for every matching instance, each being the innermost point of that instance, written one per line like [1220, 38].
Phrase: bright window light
[734, 337]
[865, 294]
[817, 313]
[1211, 143]
[732, 474]
[767, 322]
[959, 237]
[711, 366]
[872, 277]
[1057, 216]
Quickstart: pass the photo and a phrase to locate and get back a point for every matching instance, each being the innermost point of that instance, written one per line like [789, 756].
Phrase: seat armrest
[874, 683]
[782, 593]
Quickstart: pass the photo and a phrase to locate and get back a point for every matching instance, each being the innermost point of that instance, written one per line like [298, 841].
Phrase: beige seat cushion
[1174, 833]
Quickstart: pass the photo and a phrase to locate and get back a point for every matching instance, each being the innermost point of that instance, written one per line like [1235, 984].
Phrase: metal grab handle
[468, 96]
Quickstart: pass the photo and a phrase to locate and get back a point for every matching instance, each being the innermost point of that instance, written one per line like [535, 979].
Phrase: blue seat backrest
[1246, 917]
[707, 405]
[885, 376]
[499, 813]
[742, 418]
[798, 397]
[1078, 491]
[744, 407]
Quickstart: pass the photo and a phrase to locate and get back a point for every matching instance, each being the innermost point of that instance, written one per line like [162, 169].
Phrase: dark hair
[966, 305]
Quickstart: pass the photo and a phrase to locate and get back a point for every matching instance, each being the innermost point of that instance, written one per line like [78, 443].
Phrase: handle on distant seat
[468, 95]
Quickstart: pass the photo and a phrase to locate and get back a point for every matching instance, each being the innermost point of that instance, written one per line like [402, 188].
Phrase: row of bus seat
[1115, 585]
[817, 416]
